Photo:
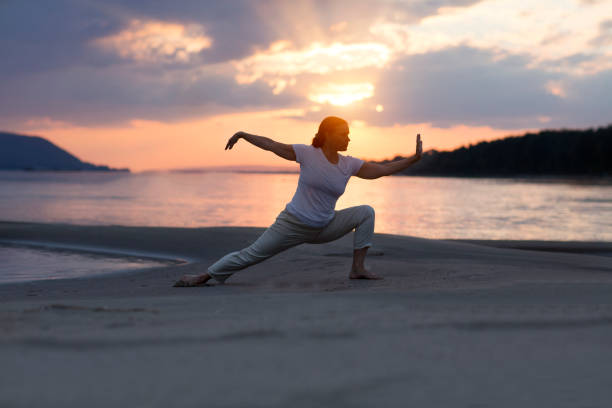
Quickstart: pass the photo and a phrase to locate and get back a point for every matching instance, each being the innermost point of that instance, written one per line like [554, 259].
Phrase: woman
[310, 216]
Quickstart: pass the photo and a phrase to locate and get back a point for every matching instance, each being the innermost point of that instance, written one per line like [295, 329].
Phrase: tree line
[548, 152]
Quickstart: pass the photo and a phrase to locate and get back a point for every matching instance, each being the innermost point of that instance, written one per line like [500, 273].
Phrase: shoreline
[96, 250]
[195, 248]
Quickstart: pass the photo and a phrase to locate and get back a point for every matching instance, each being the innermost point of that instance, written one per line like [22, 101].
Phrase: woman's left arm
[371, 170]
[280, 149]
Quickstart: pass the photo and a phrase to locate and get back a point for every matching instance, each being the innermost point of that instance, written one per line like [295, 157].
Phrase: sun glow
[145, 144]
[281, 61]
[556, 88]
[341, 94]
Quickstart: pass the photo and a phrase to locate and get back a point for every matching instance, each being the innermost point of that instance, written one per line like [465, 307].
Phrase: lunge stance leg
[280, 236]
[361, 219]
[270, 243]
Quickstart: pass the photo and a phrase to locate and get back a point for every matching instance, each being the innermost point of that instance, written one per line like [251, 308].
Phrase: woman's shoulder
[304, 146]
[303, 151]
[350, 164]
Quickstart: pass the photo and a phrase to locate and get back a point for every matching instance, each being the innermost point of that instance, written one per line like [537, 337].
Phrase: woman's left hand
[232, 141]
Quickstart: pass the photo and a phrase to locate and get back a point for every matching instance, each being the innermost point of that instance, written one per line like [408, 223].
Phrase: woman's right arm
[281, 149]
[375, 170]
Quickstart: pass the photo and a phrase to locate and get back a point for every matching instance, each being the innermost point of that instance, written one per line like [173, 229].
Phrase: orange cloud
[281, 61]
[157, 40]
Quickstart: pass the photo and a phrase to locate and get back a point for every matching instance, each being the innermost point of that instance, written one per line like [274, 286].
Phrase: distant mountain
[546, 153]
[20, 152]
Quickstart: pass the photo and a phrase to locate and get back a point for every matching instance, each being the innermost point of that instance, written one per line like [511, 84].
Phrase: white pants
[287, 231]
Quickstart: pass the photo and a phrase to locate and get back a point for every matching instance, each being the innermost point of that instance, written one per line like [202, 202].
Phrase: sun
[341, 94]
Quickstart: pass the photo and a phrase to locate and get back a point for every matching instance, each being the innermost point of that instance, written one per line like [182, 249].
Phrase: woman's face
[339, 137]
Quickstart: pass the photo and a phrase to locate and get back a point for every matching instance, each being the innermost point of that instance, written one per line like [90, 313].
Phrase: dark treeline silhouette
[549, 152]
[20, 152]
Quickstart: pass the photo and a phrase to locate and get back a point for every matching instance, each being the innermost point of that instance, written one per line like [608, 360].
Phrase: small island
[21, 152]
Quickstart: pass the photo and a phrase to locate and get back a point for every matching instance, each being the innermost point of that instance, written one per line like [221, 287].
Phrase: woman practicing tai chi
[310, 216]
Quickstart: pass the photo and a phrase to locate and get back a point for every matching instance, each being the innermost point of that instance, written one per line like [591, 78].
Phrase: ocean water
[20, 263]
[429, 207]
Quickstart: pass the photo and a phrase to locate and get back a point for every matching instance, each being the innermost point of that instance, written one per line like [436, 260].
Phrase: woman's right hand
[232, 141]
[419, 146]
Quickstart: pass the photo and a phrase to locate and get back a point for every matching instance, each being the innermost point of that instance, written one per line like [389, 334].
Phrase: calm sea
[427, 207]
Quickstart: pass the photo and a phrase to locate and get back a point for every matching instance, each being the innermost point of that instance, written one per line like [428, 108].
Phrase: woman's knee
[368, 211]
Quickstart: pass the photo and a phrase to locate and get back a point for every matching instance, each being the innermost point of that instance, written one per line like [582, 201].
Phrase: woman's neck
[330, 153]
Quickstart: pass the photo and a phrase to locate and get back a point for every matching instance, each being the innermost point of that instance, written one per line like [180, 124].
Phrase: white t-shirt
[320, 185]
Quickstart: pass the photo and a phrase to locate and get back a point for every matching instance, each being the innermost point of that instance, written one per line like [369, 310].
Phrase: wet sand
[454, 323]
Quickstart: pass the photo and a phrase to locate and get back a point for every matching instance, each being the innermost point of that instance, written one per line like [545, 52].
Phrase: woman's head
[334, 132]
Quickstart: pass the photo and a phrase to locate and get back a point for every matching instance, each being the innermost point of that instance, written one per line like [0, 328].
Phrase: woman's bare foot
[358, 270]
[192, 280]
[362, 273]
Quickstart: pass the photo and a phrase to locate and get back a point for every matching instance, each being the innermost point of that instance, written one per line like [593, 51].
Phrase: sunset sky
[163, 84]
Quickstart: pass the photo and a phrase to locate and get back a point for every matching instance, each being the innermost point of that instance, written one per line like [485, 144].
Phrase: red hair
[325, 127]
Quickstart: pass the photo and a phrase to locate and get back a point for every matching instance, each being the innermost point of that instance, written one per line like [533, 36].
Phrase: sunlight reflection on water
[431, 207]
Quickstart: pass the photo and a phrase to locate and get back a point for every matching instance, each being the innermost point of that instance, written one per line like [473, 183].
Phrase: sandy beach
[454, 323]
